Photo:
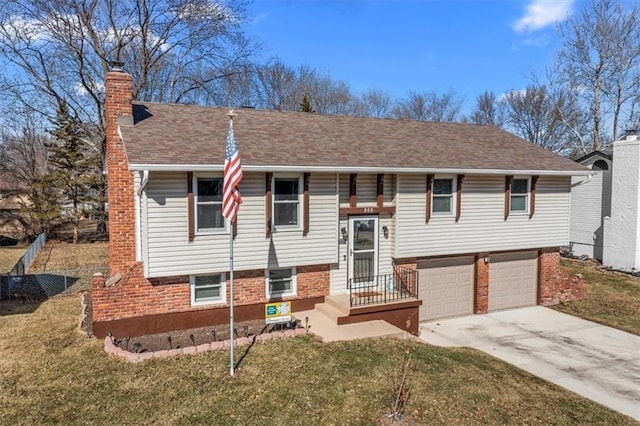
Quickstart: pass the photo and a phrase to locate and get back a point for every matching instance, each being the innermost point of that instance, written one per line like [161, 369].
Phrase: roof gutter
[337, 169]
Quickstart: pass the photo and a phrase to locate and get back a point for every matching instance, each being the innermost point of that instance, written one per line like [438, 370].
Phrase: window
[207, 289]
[442, 196]
[281, 282]
[519, 195]
[286, 202]
[209, 204]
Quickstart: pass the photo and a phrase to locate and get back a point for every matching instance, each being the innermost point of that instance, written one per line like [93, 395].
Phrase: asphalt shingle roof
[172, 134]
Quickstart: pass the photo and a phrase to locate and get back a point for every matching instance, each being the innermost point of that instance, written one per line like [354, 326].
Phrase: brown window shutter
[507, 195]
[305, 205]
[428, 192]
[190, 207]
[459, 180]
[532, 196]
[268, 203]
[353, 191]
[380, 190]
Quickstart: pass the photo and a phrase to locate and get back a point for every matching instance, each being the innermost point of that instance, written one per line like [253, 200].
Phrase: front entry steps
[402, 314]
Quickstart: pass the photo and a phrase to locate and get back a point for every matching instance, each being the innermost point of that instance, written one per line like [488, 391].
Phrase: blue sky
[420, 45]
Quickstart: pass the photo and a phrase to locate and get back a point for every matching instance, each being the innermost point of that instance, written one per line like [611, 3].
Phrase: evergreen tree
[305, 105]
[72, 167]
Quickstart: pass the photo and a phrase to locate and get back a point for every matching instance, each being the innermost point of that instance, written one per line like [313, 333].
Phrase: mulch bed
[197, 336]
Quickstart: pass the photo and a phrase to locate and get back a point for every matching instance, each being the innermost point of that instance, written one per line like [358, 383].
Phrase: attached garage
[446, 287]
[513, 279]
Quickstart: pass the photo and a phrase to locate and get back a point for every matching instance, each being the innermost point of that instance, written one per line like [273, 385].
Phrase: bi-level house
[400, 220]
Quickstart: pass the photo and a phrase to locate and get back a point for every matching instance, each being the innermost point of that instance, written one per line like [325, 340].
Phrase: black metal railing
[402, 284]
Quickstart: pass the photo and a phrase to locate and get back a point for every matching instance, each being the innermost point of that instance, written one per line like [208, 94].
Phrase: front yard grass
[51, 373]
[610, 298]
[9, 256]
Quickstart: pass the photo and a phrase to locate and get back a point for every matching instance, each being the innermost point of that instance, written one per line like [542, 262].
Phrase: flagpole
[231, 201]
[231, 333]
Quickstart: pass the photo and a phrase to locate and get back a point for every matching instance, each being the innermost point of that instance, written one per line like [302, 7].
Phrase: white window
[442, 196]
[208, 199]
[281, 282]
[287, 202]
[519, 202]
[208, 289]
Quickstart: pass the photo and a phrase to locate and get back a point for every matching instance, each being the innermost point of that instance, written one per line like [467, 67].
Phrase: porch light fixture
[486, 260]
[385, 231]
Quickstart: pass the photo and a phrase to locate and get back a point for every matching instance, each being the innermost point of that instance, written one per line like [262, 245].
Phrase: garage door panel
[513, 280]
[446, 287]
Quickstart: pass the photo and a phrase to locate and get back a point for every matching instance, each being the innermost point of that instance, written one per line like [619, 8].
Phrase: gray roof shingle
[186, 135]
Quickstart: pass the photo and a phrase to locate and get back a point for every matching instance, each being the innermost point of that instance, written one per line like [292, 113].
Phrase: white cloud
[542, 13]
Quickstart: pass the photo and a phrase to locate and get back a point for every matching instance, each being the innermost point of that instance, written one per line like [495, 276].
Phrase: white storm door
[363, 248]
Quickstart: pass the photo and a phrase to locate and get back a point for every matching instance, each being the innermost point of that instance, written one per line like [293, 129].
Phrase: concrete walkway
[598, 362]
[329, 331]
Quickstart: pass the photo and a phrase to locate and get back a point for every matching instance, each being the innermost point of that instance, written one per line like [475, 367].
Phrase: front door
[363, 248]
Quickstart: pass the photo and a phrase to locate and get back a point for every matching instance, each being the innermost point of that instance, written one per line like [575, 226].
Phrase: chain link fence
[38, 286]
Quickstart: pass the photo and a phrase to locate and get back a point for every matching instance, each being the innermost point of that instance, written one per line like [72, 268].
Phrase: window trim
[209, 231]
[526, 194]
[279, 295]
[453, 196]
[223, 290]
[299, 226]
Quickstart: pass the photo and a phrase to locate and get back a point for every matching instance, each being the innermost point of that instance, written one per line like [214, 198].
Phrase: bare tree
[600, 62]
[538, 115]
[374, 103]
[430, 106]
[489, 110]
[60, 51]
[277, 86]
[23, 163]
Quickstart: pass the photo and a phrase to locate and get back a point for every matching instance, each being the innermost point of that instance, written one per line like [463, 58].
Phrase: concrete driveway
[598, 362]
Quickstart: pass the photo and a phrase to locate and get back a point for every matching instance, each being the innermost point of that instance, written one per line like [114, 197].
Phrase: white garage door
[446, 287]
[513, 279]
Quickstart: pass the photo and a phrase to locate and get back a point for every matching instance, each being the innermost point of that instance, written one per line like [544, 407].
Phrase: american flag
[232, 176]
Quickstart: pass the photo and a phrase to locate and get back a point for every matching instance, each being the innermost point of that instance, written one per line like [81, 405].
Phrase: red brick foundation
[157, 300]
[555, 284]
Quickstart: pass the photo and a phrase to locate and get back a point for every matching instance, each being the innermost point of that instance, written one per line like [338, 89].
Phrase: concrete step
[340, 303]
[329, 311]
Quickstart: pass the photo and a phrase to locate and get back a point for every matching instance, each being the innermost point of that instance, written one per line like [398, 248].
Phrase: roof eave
[343, 169]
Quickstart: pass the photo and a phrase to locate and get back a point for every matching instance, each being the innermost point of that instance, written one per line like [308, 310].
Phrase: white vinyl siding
[590, 203]
[367, 189]
[482, 226]
[170, 252]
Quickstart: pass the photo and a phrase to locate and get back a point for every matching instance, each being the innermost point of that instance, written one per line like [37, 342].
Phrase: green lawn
[51, 373]
[610, 298]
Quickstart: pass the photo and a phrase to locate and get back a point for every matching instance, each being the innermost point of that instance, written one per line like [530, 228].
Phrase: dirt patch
[197, 336]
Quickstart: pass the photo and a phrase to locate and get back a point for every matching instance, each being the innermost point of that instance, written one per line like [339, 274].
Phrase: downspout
[582, 182]
[139, 191]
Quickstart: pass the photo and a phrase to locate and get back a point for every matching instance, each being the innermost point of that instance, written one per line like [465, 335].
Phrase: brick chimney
[122, 244]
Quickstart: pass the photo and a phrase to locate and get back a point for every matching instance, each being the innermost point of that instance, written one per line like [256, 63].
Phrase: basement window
[208, 289]
[280, 282]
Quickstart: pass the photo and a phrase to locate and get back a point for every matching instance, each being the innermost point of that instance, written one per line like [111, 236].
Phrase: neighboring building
[605, 221]
[590, 203]
[405, 220]
[622, 227]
